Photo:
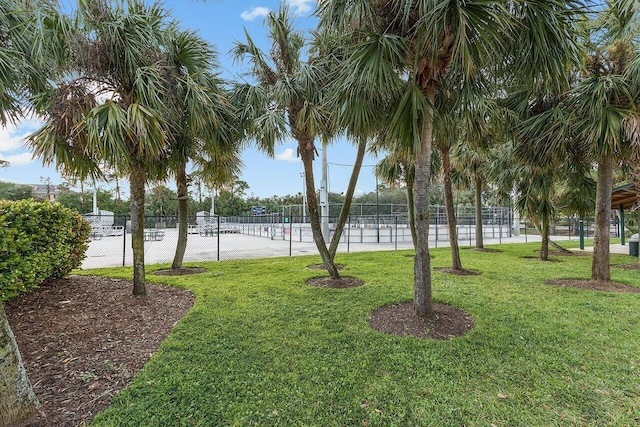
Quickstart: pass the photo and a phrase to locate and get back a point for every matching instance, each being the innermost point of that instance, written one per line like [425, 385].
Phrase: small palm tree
[288, 99]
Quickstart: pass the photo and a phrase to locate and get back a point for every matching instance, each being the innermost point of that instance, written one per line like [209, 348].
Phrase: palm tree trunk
[411, 214]
[17, 399]
[183, 224]
[544, 234]
[456, 263]
[348, 198]
[307, 153]
[600, 269]
[478, 202]
[422, 263]
[137, 181]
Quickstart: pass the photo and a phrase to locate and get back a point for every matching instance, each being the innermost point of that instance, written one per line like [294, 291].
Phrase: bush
[38, 241]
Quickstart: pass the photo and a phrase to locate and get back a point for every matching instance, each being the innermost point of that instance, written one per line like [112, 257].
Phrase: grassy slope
[261, 348]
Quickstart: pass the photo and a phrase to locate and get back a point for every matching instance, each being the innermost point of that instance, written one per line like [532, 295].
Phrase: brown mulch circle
[401, 320]
[322, 267]
[83, 338]
[487, 250]
[594, 285]
[179, 271]
[634, 266]
[537, 258]
[341, 283]
[461, 272]
[569, 253]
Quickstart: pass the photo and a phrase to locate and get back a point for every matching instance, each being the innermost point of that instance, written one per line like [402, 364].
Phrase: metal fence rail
[218, 238]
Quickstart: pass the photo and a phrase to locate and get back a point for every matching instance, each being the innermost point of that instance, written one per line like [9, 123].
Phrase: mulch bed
[322, 267]
[594, 285]
[569, 253]
[488, 250]
[179, 271]
[634, 266]
[341, 283]
[400, 319]
[537, 258]
[460, 272]
[82, 339]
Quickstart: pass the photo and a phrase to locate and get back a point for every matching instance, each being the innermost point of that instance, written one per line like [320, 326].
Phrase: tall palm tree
[424, 40]
[29, 47]
[202, 122]
[112, 106]
[288, 100]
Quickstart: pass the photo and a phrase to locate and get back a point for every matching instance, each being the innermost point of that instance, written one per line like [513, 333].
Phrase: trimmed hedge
[38, 241]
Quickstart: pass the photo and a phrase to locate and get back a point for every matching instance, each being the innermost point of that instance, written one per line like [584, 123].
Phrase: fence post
[218, 254]
[500, 229]
[437, 222]
[396, 221]
[581, 227]
[290, 234]
[348, 232]
[525, 229]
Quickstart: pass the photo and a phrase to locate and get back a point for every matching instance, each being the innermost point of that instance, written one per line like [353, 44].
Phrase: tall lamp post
[377, 210]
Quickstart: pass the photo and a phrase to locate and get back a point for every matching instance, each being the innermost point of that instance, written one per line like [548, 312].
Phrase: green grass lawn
[259, 347]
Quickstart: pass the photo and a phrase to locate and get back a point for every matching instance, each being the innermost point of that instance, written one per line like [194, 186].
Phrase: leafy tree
[11, 191]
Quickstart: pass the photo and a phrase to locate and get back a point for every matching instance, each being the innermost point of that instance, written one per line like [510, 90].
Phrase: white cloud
[21, 159]
[256, 12]
[12, 136]
[300, 7]
[288, 155]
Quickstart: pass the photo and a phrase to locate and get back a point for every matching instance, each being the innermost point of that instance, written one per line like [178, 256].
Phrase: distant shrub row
[38, 241]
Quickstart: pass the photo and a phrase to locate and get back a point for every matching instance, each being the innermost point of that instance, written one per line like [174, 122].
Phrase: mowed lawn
[260, 347]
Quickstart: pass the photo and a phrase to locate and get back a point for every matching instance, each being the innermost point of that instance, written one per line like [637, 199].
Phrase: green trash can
[633, 245]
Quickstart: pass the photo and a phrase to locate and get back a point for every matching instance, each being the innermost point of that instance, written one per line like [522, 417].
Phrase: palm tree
[396, 167]
[423, 41]
[28, 48]
[202, 122]
[287, 99]
[113, 105]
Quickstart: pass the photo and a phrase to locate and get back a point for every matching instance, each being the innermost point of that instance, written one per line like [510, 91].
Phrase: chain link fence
[224, 238]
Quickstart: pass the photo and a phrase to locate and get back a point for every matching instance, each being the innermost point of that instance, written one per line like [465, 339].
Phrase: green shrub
[38, 241]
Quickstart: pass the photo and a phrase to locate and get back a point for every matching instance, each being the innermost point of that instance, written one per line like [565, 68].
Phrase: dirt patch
[461, 272]
[593, 285]
[400, 319]
[82, 339]
[537, 258]
[341, 283]
[488, 250]
[634, 266]
[322, 267]
[569, 253]
[180, 271]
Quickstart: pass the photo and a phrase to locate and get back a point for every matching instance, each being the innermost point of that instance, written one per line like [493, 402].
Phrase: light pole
[304, 197]
[377, 211]
[324, 195]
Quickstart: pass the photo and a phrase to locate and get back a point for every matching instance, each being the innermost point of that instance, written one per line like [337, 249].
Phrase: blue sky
[221, 23]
